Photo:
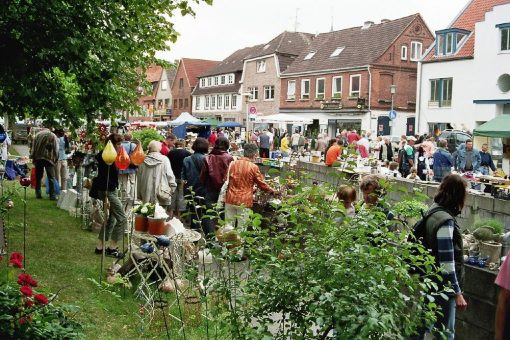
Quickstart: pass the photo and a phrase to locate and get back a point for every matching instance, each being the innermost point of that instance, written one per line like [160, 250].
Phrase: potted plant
[141, 213]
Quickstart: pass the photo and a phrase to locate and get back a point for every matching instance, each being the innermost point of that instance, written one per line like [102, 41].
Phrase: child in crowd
[347, 195]
[413, 175]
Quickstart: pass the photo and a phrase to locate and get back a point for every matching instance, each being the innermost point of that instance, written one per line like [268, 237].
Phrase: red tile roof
[474, 12]
[153, 73]
[195, 67]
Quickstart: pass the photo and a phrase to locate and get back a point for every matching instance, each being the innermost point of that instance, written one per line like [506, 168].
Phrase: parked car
[454, 138]
[20, 133]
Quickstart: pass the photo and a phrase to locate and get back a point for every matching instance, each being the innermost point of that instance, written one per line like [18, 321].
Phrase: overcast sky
[218, 30]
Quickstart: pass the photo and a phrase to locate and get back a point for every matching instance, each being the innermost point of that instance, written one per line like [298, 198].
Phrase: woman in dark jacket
[213, 175]
[107, 182]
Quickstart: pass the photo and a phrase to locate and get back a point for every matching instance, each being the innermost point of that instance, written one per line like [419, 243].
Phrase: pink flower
[16, 256]
[26, 290]
[41, 299]
[16, 263]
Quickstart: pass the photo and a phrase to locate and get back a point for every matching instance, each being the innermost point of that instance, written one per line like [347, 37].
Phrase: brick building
[186, 78]
[147, 101]
[163, 98]
[344, 78]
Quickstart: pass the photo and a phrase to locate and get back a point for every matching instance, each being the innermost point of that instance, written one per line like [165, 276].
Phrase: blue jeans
[445, 322]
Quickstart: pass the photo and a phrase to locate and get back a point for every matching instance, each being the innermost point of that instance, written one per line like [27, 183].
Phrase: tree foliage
[79, 60]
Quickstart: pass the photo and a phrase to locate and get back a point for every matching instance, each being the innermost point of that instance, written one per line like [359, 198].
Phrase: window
[505, 38]
[416, 50]
[336, 91]
[449, 41]
[180, 103]
[164, 85]
[227, 101]
[403, 52]
[220, 101]
[175, 104]
[209, 81]
[222, 80]
[268, 92]
[197, 103]
[309, 55]
[234, 101]
[167, 102]
[355, 85]
[181, 83]
[213, 102]
[319, 88]
[441, 92]
[185, 102]
[216, 80]
[207, 100]
[305, 89]
[230, 78]
[336, 52]
[291, 90]
[254, 92]
[202, 82]
[261, 66]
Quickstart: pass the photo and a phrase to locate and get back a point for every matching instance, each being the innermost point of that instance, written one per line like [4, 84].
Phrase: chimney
[383, 21]
[367, 24]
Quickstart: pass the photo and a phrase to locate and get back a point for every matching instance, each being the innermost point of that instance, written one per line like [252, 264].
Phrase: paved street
[21, 149]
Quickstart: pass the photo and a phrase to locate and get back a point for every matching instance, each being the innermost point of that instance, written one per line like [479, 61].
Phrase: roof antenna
[296, 23]
[332, 19]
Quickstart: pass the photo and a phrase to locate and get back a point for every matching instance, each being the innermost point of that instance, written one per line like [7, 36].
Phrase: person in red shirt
[168, 143]
[212, 138]
[353, 136]
[333, 153]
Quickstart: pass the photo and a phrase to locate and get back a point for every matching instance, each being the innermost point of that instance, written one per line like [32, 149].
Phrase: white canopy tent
[184, 118]
[282, 118]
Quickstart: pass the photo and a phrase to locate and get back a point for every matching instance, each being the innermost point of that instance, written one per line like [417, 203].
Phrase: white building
[463, 79]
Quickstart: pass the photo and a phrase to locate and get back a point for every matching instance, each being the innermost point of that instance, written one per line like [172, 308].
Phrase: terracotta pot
[157, 226]
[141, 223]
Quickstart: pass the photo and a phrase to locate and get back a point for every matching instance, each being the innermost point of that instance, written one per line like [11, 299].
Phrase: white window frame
[507, 50]
[323, 93]
[414, 50]
[226, 102]
[334, 90]
[207, 102]
[219, 101]
[197, 103]
[209, 81]
[351, 92]
[234, 102]
[164, 85]
[254, 93]
[202, 82]
[403, 52]
[261, 66]
[222, 80]
[437, 96]
[230, 78]
[337, 52]
[213, 102]
[216, 80]
[291, 96]
[305, 95]
[268, 92]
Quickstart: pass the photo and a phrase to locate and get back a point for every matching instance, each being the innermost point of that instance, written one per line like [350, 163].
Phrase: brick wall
[269, 77]
[181, 93]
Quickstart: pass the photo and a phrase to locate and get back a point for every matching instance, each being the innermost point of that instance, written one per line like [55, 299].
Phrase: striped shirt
[243, 175]
[445, 254]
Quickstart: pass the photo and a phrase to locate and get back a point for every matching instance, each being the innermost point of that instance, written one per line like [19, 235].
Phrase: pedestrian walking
[176, 157]
[44, 154]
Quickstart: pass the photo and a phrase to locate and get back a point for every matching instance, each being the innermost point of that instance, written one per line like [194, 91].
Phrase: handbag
[164, 192]
[224, 187]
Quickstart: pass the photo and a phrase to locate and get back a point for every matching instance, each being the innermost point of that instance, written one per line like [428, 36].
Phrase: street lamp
[247, 96]
[393, 90]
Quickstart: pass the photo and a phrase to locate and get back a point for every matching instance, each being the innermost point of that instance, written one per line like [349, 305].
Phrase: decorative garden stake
[122, 161]
[25, 183]
[109, 154]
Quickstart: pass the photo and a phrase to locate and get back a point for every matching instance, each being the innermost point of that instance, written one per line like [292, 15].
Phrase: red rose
[25, 319]
[26, 279]
[16, 263]
[41, 299]
[29, 303]
[16, 260]
[26, 290]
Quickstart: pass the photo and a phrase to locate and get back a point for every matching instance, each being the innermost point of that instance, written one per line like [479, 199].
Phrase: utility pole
[296, 23]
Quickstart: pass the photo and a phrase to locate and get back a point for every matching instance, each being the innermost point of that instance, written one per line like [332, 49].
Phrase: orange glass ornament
[109, 153]
[122, 161]
[137, 156]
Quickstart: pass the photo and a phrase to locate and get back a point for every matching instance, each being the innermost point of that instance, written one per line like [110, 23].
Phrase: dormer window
[449, 41]
[336, 52]
[310, 55]
[261, 66]
[416, 50]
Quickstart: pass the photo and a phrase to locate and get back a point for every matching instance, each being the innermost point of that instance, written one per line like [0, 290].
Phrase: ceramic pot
[141, 224]
[157, 226]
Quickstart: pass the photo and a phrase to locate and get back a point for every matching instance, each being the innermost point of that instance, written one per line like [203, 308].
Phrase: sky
[228, 25]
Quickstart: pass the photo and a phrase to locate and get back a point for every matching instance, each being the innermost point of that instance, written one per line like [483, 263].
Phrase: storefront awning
[498, 127]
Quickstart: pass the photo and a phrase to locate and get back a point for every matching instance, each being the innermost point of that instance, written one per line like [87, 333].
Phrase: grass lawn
[60, 255]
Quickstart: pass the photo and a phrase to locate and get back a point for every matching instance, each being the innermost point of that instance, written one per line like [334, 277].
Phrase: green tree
[75, 61]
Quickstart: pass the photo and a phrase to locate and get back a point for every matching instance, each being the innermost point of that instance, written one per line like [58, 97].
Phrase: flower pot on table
[141, 224]
[157, 226]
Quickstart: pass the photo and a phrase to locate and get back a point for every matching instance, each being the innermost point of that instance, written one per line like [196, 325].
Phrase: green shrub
[145, 136]
[496, 225]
